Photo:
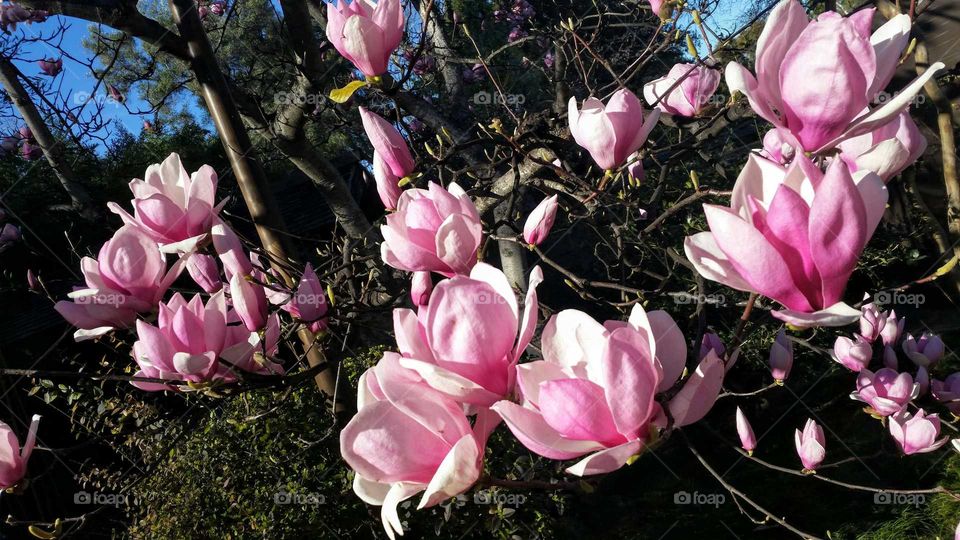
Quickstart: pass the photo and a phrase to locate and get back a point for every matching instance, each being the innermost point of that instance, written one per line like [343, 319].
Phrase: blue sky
[75, 79]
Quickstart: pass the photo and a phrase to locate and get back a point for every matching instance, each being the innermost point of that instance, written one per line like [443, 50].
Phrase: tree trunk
[247, 169]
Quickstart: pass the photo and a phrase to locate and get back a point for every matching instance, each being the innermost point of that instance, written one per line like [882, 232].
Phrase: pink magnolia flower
[885, 391]
[923, 380]
[387, 143]
[388, 184]
[31, 151]
[175, 209]
[776, 148]
[872, 322]
[799, 61]
[10, 234]
[9, 144]
[661, 8]
[115, 94]
[613, 131]
[792, 234]
[185, 344]
[472, 363]
[854, 354]
[747, 439]
[781, 357]
[697, 85]
[365, 33]
[892, 329]
[129, 276]
[406, 439]
[711, 342]
[540, 221]
[925, 351]
[50, 66]
[887, 150]
[13, 458]
[811, 445]
[635, 169]
[204, 272]
[11, 14]
[593, 393]
[218, 8]
[434, 229]
[309, 303]
[421, 286]
[916, 433]
[250, 351]
[249, 301]
[230, 250]
[948, 392]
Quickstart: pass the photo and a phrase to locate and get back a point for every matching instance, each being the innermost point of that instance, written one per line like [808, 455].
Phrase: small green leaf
[341, 95]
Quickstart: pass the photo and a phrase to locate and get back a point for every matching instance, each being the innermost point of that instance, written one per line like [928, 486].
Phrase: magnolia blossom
[13, 458]
[407, 438]
[692, 87]
[916, 433]
[434, 229]
[540, 221]
[792, 234]
[776, 148]
[472, 363]
[925, 351]
[711, 342]
[923, 381]
[948, 392]
[593, 393]
[811, 445]
[249, 301]
[185, 344]
[250, 351]
[309, 302]
[747, 439]
[388, 144]
[204, 272]
[388, 184]
[421, 286]
[781, 357]
[662, 8]
[872, 322]
[892, 329]
[115, 94]
[613, 131]
[51, 67]
[365, 33]
[854, 354]
[128, 276]
[815, 79]
[175, 209]
[887, 150]
[886, 391]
